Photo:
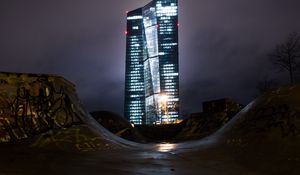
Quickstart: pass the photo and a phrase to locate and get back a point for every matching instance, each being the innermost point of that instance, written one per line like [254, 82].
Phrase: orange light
[163, 98]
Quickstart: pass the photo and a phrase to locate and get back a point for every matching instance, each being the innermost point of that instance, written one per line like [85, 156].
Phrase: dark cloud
[223, 45]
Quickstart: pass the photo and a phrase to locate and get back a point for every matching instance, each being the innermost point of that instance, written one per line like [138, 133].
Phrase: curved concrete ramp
[46, 108]
[262, 139]
[95, 126]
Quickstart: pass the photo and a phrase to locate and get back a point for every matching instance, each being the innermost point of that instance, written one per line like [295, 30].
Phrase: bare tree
[286, 55]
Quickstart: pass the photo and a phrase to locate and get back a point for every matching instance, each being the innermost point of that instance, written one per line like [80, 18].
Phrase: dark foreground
[148, 159]
[262, 139]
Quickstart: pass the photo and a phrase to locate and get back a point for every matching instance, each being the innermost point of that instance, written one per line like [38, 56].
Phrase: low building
[221, 105]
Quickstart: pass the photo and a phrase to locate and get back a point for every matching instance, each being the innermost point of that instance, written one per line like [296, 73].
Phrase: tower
[152, 75]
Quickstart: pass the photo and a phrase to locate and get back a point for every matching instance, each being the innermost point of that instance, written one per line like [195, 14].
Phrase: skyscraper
[152, 82]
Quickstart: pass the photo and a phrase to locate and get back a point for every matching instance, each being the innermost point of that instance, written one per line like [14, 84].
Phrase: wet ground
[158, 160]
[188, 159]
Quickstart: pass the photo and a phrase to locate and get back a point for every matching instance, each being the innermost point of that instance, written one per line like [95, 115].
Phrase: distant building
[221, 105]
[152, 82]
[215, 114]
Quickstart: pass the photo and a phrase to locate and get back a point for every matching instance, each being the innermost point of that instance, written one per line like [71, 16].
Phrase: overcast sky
[223, 45]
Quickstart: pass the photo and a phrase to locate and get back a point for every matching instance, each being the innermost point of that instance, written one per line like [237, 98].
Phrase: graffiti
[75, 138]
[35, 107]
[92, 145]
[281, 117]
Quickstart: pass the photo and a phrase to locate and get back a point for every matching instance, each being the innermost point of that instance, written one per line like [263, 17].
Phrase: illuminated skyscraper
[152, 82]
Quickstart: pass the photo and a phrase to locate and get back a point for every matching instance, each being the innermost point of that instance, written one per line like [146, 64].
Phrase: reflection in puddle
[166, 147]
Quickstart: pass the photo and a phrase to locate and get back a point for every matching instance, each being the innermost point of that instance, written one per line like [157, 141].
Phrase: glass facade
[134, 81]
[156, 80]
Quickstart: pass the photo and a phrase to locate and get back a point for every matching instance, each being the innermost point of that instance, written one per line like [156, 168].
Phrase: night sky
[223, 45]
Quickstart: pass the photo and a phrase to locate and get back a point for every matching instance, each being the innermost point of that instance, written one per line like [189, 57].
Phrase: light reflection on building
[152, 63]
